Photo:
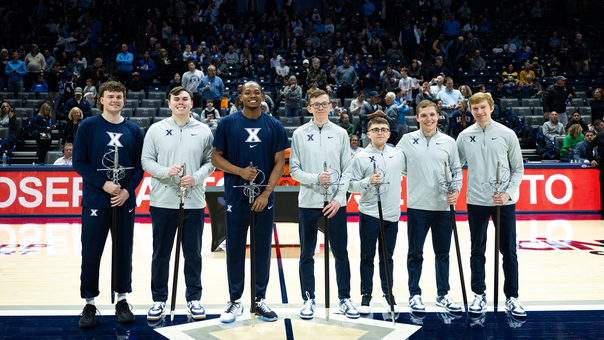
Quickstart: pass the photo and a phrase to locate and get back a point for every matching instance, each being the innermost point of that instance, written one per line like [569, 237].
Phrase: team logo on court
[253, 135]
[416, 141]
[472, 139]
[93, 212]
[310, 138]
[168, 132]
[229, 208]
[115, 139]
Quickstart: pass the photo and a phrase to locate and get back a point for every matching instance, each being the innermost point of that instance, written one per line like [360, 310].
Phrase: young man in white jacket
[483, 145]
[169, 146]
[388, 163]
[426, 154]
[314, 144]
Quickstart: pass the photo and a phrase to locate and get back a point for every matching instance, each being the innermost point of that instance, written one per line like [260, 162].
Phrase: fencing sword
[497, 233]
[115, 172]
[182, 193]
[456, 237]
[326, 242]
[251, 190]
[384, 248]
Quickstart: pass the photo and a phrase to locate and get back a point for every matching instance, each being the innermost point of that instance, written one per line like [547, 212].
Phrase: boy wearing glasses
[388, 163]
[425, 153]
[314, 144]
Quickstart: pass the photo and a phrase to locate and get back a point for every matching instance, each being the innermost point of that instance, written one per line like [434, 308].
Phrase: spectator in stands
[437, 85]
[354, 145]
[497, 50]
[406, 84]
[509, 77]
[536, 90]
[357, 104]
[536, 68]
[35, 64]
[424, 93]
[335, 108]
[456, 54]
[147, 66]
[597, 105]
[389, 78]
[438, 69]
[344, 123]
[212, 87]
[520, 91]
[465, 91]
[78, 101]
[75, 69]
[392, 112]
[16, 71]
[573, 137]
[49, 60]
[452, 27]
[261, 70]
[9, 120]
[231, 58]
[191, 81]
[509, 47]
[580, 154]
[292, 95]
[73, 122]
[471, 44]
[246, 72]
[598, 126]
[209, 111]
[90, 92]
[554, 42]
[527, 75]
[576, 119]
[554, 98]
[136, 84]
[124, 62]
[40, 85]
[499, 92]
[282, 71]
[580, 54]
[175, 82]
[450, 97]
[4, 59]
[478, 64]
[409, 39]
[369, 111]
[484, 25]
[553, 67]
[461, 120]
[345, 78]
[464, 11]
[416, 72]
[43, 125]
[221, 69]
[369, 76]
[318, 74]
[395, 52]
[553, 128]
[67, 153]
[443, 117]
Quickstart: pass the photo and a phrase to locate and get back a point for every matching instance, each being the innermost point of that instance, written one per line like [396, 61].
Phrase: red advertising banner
[59, 192]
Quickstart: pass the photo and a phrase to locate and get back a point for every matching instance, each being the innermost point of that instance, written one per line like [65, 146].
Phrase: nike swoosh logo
[270, 207]
[494, 138]
[439, 143]
[130, 210]
[253, 146]
[391, 156]
[329, 137]
[193, 134]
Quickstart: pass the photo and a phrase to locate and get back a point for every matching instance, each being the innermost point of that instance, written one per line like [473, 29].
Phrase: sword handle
[498, 179]
[116, 165]
[251, 196]
[325, 186]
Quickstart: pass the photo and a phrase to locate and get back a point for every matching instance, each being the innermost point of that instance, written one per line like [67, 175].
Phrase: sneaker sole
[87, 326]
[516, 314]
[264, 318]
[307, 317]
[350, 316]
[227, 321]
[154, 318]
[477, 312]
[196, 317]
[365, 310]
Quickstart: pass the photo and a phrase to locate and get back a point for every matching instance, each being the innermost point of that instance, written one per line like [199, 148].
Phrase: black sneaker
[265, 312]
[366, 304]
[123, 313]
[88, 317]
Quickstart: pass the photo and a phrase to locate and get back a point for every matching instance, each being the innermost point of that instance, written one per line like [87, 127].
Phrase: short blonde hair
[425, 104]
[70, 115]
[481, 97]
[601, 92]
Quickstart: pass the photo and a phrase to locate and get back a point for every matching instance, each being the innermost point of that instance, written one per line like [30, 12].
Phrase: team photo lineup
[406, 108]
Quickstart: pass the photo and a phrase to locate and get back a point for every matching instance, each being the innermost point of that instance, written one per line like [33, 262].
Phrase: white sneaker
[366, 304]
[156, 311]
[234, 309]
[386, 303]
[308, 310]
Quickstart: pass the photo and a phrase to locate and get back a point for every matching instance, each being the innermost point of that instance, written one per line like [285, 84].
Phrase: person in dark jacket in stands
[9, 120]
[43, 125]
[554, 99]
[78, 101]
[73, 122]
[597, 105]
[576, 119]
[438, 69]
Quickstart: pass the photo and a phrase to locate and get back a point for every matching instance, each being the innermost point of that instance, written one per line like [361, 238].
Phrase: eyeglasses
[324, 105]
[382, 130]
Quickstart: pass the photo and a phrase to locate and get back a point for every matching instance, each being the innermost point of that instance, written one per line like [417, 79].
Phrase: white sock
[121, 296]
[90, 301]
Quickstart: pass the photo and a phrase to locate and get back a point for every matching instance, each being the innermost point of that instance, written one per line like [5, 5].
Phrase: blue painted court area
[437, 326]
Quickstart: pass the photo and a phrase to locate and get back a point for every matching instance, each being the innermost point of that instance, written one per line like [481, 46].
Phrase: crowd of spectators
[388, 56]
